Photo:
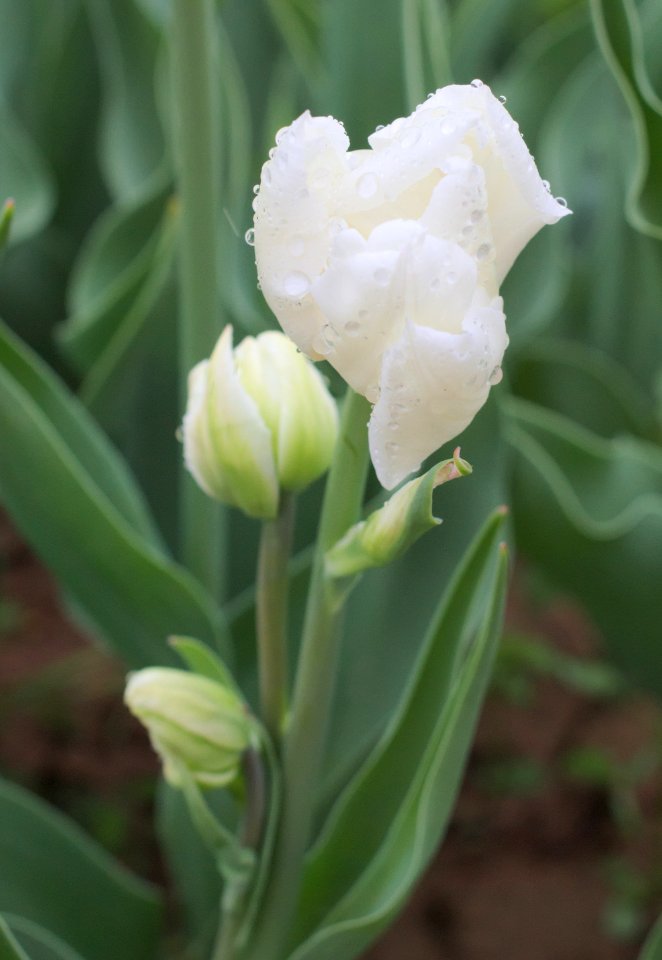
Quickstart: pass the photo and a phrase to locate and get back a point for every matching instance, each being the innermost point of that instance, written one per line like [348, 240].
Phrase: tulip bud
[194, 724]
[258, 419]
[392, 529]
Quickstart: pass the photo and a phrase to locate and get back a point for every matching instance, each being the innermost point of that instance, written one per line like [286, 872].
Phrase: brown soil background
[536, 866]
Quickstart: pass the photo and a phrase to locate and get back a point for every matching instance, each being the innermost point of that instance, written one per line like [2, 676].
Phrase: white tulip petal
[433, 384]
[295, 218]
[520, 203]
[371, 288]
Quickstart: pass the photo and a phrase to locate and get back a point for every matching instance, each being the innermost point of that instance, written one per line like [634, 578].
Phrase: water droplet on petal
[496, 376]
[296, 284]
[447, 126]
[256, 188]
[249, 237]
[476, 83]
[547, 185]
[352, 328]
[483, 252]
[476, 216]
[503, 99]
[382, 276]
[367, 185]
[451, 278]
[392, 425]
[266, 176]
[562, 201]
[392, 447]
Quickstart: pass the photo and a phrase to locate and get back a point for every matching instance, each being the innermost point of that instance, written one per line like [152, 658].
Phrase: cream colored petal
[238, 438]
[433, 384]
[519, 200]
[372, 287]
[295, 217]
[294, 402]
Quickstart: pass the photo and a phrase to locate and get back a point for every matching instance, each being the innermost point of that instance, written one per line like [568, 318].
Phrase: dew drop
[503, 99]
[562, 201]
[476, 216]
[451, 278]
[476, 83]
[296, 284]
[391, 447]
[366, 186]
[256, 188]
[352, 328]
[392, 425]
[249, 237]
[380, 126]
[547, 185]
[496, 376]
[483, 251]
[447, 127]
[382, 276]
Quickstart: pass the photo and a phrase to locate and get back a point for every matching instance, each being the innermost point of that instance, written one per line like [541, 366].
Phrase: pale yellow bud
[259, 419]
[195, 724]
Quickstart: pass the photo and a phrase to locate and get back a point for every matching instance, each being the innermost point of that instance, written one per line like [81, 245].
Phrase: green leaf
[194, 871]
[25, 177]
[6, 217]
[121, 580]
[9, 948]
[620, 32]
[132, 145]
[102, 910]
[386, 824]
[652, 948]
[589, 511]
[200, 659]
[35, 942]
[77, 430]
[113, 265]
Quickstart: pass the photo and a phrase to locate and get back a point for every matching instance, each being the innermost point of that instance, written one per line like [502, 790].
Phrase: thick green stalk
[272, 594]
[196, 143]
[313, 691]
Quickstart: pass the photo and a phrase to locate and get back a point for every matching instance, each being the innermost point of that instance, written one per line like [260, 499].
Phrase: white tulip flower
[387, 261]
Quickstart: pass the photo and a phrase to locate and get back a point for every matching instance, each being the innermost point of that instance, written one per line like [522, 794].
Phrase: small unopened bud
[259, 419]
[389, 531]
[195, 724]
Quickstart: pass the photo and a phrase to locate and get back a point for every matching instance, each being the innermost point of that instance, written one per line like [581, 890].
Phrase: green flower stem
[233, 901]
[196, 144]
[272, 596]
[313, 691]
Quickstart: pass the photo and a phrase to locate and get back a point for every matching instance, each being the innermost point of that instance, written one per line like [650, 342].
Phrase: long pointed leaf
[382, 789]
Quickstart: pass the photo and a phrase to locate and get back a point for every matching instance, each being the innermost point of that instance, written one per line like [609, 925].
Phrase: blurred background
[556, 848]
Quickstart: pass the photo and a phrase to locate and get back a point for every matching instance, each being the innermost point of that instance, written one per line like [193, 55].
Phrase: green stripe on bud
[390, 531]
[194, 724]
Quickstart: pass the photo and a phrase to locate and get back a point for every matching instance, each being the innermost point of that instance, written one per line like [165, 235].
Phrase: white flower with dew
[387, 262]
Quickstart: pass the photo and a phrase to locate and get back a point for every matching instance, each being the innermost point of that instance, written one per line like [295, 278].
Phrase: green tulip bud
[195, 724]
[390, 531]
[259, 419]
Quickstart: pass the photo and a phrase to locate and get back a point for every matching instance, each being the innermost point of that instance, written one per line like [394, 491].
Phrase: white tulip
[387, 262]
